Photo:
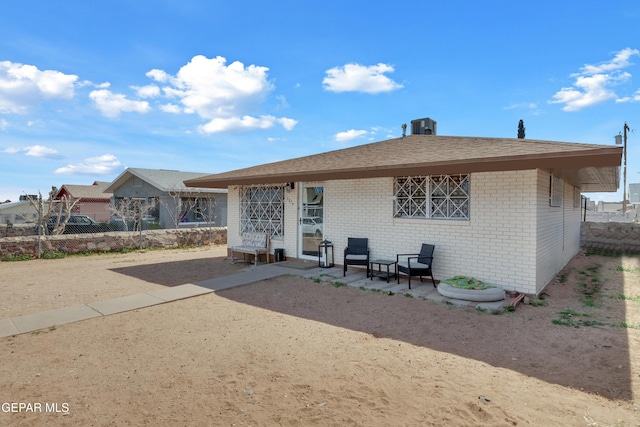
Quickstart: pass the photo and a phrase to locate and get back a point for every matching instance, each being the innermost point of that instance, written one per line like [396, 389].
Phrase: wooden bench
[254, 244]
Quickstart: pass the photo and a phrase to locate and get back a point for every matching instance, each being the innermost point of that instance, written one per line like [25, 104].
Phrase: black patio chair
[416, 264]
[356, 253]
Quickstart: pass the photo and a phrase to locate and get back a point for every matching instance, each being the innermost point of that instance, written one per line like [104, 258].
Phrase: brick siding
[513, 238]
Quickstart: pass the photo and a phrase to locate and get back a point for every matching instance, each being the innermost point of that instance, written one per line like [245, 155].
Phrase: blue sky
[88, 89]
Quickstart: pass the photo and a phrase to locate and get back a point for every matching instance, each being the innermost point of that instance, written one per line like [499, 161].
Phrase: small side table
[382, 274]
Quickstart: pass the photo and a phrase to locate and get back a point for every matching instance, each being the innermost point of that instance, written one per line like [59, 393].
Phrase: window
[556, 190]
[262, 210]
[577, 197]
[438, 196]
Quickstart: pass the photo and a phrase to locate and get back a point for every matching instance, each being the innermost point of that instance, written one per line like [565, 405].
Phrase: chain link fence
[39, 228]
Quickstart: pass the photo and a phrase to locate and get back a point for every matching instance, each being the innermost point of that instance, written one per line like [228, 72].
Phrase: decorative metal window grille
[440, 196]
[262, 210]
[411, 197]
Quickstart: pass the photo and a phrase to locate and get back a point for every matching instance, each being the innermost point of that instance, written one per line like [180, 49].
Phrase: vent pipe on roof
[424, 126]
[404, 130]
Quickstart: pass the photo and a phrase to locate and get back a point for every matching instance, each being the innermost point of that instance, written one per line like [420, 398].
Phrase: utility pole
[624, 173]
[624, 192]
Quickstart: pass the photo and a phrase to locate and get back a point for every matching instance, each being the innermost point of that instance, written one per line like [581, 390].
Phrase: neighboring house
[609, 206]
[21, 212]
[93, 201]
[505, 211]
[165, 200]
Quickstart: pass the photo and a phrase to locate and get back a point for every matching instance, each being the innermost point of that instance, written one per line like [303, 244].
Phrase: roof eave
[598, 158]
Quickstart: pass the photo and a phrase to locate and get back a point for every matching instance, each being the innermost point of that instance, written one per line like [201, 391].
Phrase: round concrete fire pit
[480, 295]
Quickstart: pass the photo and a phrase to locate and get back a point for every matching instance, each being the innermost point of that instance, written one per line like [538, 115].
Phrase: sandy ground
[290, 351]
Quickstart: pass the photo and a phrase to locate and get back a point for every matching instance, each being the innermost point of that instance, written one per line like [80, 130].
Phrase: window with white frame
[437, 196]
[262, 210]
[577, 197]
[556, 191]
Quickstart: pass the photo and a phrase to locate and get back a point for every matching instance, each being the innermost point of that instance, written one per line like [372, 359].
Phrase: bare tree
[130, 211]
[207, 209]
[54, 213]
[179, 207]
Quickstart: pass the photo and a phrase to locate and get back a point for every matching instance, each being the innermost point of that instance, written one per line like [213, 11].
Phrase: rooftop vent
[423, 127]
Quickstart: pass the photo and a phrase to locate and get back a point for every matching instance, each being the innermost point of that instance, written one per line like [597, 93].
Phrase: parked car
[76, 224]
[312, 225]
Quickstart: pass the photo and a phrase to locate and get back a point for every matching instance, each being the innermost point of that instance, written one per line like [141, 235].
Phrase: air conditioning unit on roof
[423, 127]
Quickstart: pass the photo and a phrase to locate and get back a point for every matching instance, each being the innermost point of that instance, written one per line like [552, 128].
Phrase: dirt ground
[293, 352]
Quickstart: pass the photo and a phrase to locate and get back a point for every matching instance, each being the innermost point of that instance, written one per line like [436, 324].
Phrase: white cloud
[149, 91]
[101, 165]
[41, 151]
[222, 94]
[170, 108]
[35, 151]
[527, 105]
[210, 88]
[112, 104]
[4, 125]
[350, 135]
[158, 75]
[287, 123]
[360, 78]
[593, 84]
[246, 123]
[23, 86]
[620, 61]
[237, 123]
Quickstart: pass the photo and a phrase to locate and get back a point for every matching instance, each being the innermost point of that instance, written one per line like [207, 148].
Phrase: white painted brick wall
[558, 232]
[290, 240]
[496, 245]
[513, 239]
[233, 217]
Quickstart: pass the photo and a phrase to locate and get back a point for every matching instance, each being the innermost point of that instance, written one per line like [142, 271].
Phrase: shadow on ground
[181, 272]
[591, 359]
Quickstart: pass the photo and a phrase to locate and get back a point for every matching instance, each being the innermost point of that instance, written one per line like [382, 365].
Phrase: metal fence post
[40, 231]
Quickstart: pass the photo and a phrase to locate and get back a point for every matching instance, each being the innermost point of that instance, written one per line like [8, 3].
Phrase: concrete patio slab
[249, 275]
[179, 292]
[7, 328]
[47, 319]
[119, 305]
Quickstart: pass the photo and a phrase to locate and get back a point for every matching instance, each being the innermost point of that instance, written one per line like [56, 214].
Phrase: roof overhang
[590, 167]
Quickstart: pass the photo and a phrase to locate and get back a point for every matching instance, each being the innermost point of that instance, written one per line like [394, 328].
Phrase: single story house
[504, 211]
[91, 199]
[161, 197]
[20, 212]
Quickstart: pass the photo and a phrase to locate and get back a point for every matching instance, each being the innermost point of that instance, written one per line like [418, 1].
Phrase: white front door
[311, 220]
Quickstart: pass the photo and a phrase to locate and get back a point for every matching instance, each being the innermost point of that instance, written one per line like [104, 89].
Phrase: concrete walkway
[354, 278]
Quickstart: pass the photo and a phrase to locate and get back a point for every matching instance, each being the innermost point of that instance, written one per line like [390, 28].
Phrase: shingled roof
[94, 192]
[162, 179]
[588, 166]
